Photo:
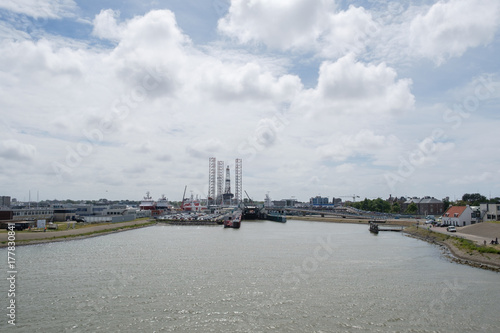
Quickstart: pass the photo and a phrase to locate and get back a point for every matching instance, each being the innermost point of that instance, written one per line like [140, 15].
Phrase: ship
[149, 204]
[272, 215]
[250, 212]
[276, 217]
[192, 205]
[163, 204]
[233, 220]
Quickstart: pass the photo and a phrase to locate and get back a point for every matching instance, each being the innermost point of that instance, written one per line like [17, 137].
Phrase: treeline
[475, 199]
[376, 205]
[383, 206]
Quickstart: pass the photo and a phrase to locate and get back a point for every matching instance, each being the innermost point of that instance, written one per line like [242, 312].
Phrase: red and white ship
[149, 204]
[192, 205]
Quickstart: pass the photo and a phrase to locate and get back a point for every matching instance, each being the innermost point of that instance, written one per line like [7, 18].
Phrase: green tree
[446, 204]
[474, 199]
[381, 205]
[412, 208]
[366, 204]
[396, 208]
[376, 205]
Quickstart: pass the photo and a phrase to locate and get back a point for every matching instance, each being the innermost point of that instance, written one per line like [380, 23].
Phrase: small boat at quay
[233, 220]
[276, 217]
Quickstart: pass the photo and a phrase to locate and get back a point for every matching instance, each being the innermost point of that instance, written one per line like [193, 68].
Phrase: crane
[248, 197]
[354, 196]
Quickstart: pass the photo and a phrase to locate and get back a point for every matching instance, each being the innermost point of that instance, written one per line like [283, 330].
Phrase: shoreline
[455, 254]
[23, 239]
[452, 252]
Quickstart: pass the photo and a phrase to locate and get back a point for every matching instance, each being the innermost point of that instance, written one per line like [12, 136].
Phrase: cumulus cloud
[345, 167]
[204, 149]
[278, 24]
[473, 179]
[145, 87]
[106, 26]
[355, 87]
[449, 28]
[14, 150]
[348, 31]
[364, 142]
[301, 25]
[240, 82]
[52, 9]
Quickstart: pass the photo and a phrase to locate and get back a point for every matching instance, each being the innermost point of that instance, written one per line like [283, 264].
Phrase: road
[477, 238]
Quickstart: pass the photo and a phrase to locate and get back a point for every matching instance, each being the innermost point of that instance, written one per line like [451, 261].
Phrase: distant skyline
[110, 99]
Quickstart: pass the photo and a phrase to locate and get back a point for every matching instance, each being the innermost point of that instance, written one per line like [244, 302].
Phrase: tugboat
[233, 221]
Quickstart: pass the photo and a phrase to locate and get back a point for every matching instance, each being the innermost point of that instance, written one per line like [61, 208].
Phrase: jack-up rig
[216, 180]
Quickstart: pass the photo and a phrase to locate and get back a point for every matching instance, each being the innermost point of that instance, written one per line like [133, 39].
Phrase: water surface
[265, 277]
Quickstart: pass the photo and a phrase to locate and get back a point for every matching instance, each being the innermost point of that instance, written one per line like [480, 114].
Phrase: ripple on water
[264, 277]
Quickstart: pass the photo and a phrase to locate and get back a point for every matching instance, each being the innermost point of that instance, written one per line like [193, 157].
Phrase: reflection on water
[299, 276]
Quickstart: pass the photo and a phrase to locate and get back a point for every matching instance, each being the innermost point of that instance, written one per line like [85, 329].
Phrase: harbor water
[264, 277]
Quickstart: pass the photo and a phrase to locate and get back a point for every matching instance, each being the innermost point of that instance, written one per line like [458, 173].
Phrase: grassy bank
[470, 246]
[427, 234]
[84, 232]
[461, 243]
[463, 250]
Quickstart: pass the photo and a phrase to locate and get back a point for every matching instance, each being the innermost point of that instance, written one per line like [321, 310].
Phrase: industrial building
[4, 202]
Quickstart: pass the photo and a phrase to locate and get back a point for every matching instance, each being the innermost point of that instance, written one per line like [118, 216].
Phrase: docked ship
[276, 217]
[250, 212]
[192, 205]
[163, 204]
[233, 220]
[149, 204]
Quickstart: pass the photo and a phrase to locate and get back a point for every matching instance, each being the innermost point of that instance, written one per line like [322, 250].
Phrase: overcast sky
[110, 99]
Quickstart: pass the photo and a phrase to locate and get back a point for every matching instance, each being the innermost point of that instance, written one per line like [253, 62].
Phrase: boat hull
[233, 221]
[276, 218]
[250, 213]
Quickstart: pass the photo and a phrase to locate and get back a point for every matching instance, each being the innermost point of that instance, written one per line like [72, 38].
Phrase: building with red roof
[459, 216]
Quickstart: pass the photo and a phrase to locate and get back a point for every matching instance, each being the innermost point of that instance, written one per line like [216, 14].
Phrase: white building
[490, 211]
[459, 216]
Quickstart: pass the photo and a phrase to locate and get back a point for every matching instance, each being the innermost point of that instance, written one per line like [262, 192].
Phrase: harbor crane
[354, 196]
[250, 199]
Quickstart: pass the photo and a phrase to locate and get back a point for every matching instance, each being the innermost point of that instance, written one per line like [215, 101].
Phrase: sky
[111, 99]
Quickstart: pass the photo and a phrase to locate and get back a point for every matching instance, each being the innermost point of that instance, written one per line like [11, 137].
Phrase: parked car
[429, 221]
[451, 229]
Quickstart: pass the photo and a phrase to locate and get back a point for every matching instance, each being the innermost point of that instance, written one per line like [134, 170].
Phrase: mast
[227, 190]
